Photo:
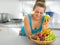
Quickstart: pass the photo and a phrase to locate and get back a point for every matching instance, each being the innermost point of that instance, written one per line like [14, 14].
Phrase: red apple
[43, 35]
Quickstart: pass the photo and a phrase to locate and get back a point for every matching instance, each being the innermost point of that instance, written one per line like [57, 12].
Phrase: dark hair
[41, 4]
[41, 1]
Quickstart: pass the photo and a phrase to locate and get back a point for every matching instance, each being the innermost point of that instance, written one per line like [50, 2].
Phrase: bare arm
[27, 26]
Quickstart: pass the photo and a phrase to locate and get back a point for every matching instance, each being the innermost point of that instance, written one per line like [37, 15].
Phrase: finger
[48, 20]
[45, 21]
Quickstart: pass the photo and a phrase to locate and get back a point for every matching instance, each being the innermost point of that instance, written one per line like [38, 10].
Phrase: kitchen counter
[10, 38]
[25, 41]
[21, 40]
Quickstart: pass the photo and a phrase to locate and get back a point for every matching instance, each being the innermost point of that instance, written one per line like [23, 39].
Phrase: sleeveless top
[33, 31]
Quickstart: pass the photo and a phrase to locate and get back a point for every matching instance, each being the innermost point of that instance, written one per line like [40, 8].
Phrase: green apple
[46, 17]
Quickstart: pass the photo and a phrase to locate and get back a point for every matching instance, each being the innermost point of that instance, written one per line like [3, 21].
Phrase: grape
[50, 37]
[53, 36]
[42, 38]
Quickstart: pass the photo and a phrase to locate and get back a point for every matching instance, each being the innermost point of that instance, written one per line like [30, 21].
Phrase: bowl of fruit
[45, 37]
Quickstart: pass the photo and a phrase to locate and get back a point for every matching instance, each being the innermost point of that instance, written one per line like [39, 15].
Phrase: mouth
[37, 16]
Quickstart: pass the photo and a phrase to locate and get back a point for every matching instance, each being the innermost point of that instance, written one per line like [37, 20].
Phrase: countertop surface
[10, 38]
[9, 35]
[26, 41]
[22, 40]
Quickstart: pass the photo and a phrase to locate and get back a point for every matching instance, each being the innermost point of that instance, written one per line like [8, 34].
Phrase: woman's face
[38, 12]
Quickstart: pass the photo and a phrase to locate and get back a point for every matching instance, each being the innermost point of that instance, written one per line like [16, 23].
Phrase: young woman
[34, 23]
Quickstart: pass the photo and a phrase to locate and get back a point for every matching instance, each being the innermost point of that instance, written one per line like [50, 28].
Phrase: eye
[41, 12]
[36, 11]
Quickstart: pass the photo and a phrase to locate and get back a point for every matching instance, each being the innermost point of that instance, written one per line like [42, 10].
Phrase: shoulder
[26, 18]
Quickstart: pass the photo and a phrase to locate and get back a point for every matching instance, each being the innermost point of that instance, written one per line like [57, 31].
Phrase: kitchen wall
[54, 7]
[17, 9]
[14, 8]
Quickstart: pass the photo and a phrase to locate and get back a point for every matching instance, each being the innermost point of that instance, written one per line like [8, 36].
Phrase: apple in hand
[46, 17]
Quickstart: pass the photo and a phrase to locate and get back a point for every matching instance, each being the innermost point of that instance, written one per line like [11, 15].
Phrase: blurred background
[12, 14]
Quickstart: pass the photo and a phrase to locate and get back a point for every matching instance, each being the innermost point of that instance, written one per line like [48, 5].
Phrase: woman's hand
[29, 37]
[45, 25]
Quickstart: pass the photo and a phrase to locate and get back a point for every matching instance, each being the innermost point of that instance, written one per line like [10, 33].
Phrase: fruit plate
[42, 42]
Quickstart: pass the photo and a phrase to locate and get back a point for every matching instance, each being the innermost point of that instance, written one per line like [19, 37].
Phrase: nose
[39, 14]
